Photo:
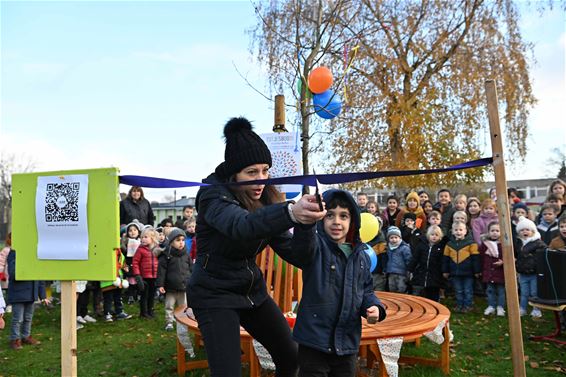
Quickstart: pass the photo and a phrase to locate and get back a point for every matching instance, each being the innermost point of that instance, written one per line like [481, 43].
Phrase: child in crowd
[412, 206]
[2, 310]
[434, 218]
[460, 202]
[559, 242]
[558, 186]
[161, 239]
[444, 206]
[473, 209]
[166, 223]
[189, 226]
[373, 208]
[492, 270]
[21, 295]
[379, 246]
[390, 213]
[83, 300]
[174, 270]
[112, 290]
[460, 263]
[548, 224]
[460, 216]
[145, 270]
[558, 200]
[526, 263]
[398, 258]
[409, 231]
[4, 265]
[426, 264]
[328, 327]
[188, 213]
[427, 207]
[487, 216]
[129, 246]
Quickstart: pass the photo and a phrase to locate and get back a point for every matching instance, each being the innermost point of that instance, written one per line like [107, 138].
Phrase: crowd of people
[422, 248]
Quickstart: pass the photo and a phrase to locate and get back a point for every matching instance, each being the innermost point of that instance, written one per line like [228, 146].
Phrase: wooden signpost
[102, 212]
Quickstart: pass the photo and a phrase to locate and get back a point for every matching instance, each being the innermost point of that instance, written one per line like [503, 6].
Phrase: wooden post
[68, 328]
[279, 122]
[515, 331]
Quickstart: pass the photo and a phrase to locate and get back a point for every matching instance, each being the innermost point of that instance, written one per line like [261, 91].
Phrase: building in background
[173, 210]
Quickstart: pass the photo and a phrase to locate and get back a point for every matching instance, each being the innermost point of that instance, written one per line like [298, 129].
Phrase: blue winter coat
[337, 290]
[225, 274]
[398, 259]
[22, 290]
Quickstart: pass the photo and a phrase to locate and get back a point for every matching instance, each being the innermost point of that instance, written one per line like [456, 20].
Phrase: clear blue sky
[147, 86]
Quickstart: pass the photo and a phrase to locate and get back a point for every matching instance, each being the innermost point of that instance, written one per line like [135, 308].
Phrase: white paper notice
[60, 210]
[286, 156]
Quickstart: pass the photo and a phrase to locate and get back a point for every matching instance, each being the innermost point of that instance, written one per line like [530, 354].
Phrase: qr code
[61, 202]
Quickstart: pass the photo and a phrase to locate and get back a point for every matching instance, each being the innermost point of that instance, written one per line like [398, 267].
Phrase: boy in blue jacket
[337, 290]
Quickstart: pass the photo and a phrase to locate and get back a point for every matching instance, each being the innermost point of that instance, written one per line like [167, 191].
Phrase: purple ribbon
[305, 180]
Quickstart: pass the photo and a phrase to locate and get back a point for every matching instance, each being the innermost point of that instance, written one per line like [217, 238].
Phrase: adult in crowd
[136, 206]
[234, 224]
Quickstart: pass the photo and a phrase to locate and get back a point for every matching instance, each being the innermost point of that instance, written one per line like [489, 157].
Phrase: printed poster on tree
[286, 156]
[61, 217]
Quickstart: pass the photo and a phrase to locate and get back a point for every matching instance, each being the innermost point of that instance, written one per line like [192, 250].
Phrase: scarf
[492, 249]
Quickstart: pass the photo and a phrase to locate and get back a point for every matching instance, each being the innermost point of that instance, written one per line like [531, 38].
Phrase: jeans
[173, 298]
[397, 283]
[528, 284]
[495, 295]
[464, 290]
[113, 295]
[220, 330]
[314, 363]
[22, 315]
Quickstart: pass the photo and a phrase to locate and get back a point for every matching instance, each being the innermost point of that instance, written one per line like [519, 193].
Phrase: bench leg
[551, 337]
[445, 351]
[181, 359]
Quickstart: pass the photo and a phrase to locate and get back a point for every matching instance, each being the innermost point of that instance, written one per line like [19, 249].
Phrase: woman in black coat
[234, 224]
[136, 206]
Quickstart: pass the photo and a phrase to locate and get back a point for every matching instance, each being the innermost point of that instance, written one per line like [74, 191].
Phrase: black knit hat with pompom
[243, 148]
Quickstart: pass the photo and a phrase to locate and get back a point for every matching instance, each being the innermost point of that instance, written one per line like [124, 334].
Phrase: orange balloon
[320, 80]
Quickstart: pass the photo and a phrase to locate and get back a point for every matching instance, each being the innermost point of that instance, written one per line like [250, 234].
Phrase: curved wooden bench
[409, 317]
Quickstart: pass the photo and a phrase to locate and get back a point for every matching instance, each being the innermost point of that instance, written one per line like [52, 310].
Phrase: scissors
[317, 193]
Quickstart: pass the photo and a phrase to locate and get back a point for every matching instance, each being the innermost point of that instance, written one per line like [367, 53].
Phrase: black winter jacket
[174, 269]
[526, 256]
[141, 210]
[337, 290]
[225, 274]
[426, 264]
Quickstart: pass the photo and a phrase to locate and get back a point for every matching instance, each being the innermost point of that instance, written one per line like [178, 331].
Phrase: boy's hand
[372, 314]
[162, 290]
[446, 275]
[306, 210]
[46, 301]
[498, 263]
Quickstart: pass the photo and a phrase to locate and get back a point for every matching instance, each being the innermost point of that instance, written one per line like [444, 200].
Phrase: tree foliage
[416, 86]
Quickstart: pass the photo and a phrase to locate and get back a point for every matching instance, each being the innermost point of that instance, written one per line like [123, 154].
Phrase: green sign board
[102, 213]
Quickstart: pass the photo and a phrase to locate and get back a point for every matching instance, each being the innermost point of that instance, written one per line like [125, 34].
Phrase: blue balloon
[327, 104]
[372, 257]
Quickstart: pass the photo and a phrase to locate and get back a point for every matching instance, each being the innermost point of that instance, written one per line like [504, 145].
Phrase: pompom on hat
[243, 148]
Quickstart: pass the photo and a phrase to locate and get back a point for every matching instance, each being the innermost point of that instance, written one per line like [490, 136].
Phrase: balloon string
[354, 52]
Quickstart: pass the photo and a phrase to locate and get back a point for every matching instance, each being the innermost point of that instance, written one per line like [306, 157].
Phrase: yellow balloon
[369, 227]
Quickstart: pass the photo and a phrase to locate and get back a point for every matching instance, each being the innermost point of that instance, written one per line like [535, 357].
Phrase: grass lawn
[138, 347]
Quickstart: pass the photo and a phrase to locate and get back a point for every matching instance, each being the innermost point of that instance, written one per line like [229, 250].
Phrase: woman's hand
[306, 210]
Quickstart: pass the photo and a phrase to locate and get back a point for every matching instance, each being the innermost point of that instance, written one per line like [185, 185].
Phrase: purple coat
[479, 226]
[490, 272]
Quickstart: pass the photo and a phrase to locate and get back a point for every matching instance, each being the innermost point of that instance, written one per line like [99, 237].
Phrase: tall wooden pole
[279, 121]
[515, 330]
[68, 329]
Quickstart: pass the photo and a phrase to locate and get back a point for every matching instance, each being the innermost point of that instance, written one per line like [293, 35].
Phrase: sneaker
[89, 319]
[8, 308]
[169, 327]
[489, 310]
[522, 312]
[16, 344]
[79, 326]
[81, 320]
[31, 341]
[108, 318]
[123, 315]
[500, 311]
[536, 313]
